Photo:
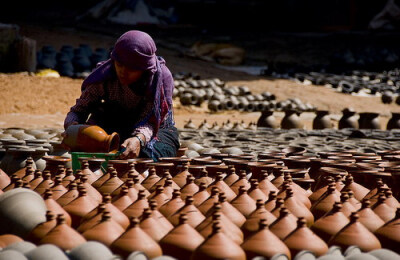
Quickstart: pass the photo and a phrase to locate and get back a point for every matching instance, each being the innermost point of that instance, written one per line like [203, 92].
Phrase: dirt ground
[37, 102]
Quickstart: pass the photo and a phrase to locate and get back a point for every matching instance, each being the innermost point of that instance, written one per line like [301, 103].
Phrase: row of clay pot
[322, 120]
[271, 195]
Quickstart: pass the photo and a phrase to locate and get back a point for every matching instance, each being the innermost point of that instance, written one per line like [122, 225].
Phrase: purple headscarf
[137, 51]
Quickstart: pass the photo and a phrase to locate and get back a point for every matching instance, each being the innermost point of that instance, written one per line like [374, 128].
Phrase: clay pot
[47, 183]
[359, 191]
[326, 202]
[251, 225]
[151, 226]
[201, 196]
[80, 206]
[123, 200]
[135, 239]
[4, 180]
[265, 185]
[284, 224]
[291, 120]
[297, 208]
[91, 191]
[9, 239]
[394, 122]
[389, 233]
[88, 172]
[136, 208]
[21, 211]
[37, 180]
[160, 217]
[230, 211]
[231, 176]
[173, 205]
[271, 202]
[368, 218]
[121, 166]
[182, 176]
[159, 196]
[369, 120]
[243, 202]
[201, 176]
[349, 119]
[255, 193]
[55, 208]
[322, 120]
[218, 246]
[115, 213]
[357, 234]
[228, 227]
[43, 228]
[222, 187]
[182, 241]
[68, 178]
[331, 223]
[63, 236]
[53, 162]
[70, 195]
[97, 184]
[302, 238]
[267, 120]
[383, 210]
[91, 139]
[106, 231]
[195, 217]
[264, 243]
[58, 188]
[190, 188]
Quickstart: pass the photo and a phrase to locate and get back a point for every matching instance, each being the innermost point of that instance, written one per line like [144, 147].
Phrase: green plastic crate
[76, 164]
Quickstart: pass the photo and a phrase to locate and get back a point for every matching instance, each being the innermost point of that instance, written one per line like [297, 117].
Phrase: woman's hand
[132, 148]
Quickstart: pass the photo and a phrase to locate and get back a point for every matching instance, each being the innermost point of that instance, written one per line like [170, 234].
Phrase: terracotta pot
[243, 202]
[182, 176]
[201, 196]
[58, 188]
[389, 233]
[284, 224]
[43, 228]
[347, 206]
[291, 120]
[302, 238]
[264, 243]
[97, 184]
[173, 205]
[255, 193]
[9, 239]
[159, 196]
[123, 200]
[91, 139]
[91, 191]
[222, 187]
[228, 228]
[242, 181]
[151, 179]
[121, 166]
[53, 162]
[4, 180]
[63, 236]
[357, 234]
[47, 183]
[182, 240]
[218, 246]
[271, 202]
[88, 172]
[136, 208]
[111, 184]
[231, 176]
[106, 231]
[195, 217]
[21, 211]
[151, 226]
[230, 211]
[70, 195]
[251, 225]
[135, 239]
[160, 217]
[383, 210]
[322, 120]
[368, 218]
[190, 188]
[297, 208]
[89, 222]
[68, 178]
[331, 223]
[55, 208]
[325, 202]
[80, 206]
[132, 191]
[202, 176]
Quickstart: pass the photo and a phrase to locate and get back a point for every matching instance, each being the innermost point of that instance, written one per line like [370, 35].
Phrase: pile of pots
[71, 61]
[386, 83]
[229, 194]
[195, 91]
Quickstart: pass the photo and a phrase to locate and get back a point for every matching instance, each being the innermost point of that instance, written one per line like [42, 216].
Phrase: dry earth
[36, 102]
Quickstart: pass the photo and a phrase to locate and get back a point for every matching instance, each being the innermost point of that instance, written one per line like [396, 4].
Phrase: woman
[131, 94]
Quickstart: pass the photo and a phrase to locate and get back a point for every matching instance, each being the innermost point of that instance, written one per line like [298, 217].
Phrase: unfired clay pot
[389, 234]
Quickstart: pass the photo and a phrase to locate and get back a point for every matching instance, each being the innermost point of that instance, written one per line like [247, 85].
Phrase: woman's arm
[89, 98]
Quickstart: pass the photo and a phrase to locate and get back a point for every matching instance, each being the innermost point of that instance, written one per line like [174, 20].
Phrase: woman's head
[133, 53]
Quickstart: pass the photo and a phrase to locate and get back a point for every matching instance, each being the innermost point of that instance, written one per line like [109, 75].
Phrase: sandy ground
[36, 102]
